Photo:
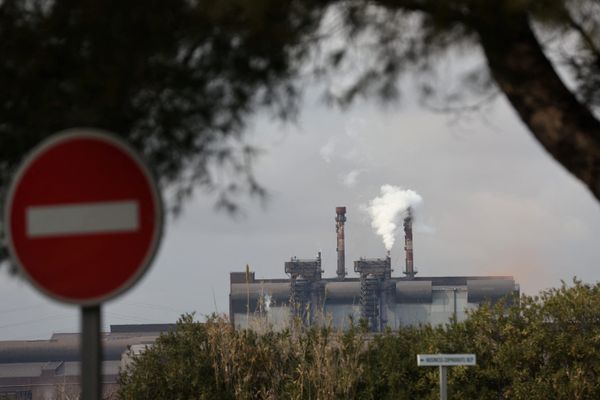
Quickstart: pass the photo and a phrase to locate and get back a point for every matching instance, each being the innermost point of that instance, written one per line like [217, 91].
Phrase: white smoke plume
[351, 178]
[327, 151]
[388, 208]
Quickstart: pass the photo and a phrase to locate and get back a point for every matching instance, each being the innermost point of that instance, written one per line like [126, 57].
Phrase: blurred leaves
[180, 80]
[176, 79]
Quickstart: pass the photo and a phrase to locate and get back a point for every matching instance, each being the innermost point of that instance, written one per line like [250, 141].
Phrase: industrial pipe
[340, 219]
[408, 245]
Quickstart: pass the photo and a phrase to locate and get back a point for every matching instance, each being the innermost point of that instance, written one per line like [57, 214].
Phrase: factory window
[18, 395]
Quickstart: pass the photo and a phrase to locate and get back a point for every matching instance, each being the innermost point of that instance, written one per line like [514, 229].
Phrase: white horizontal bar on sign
[83, 218]
[434, 360]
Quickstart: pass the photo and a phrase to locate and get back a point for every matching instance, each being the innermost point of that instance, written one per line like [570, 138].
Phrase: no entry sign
[83, 217]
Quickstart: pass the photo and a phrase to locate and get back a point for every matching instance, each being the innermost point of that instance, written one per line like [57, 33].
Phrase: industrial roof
[65, 346]
[34, 369]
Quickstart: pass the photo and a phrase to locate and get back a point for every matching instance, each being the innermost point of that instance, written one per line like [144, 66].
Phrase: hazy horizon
[494, 203]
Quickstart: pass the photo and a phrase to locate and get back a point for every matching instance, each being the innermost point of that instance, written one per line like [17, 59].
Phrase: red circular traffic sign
[83, 217]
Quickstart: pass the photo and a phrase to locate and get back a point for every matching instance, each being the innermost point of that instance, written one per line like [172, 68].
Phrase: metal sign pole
[443, 382]
[443, 361]
[91, 353]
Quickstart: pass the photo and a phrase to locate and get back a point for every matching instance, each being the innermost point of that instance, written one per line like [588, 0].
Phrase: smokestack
[388, 262]
[408, 245]
[340, 218]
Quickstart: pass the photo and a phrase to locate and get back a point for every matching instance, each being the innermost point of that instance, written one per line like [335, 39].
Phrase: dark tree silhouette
[524, 43]
[176, 79]
[179, 79]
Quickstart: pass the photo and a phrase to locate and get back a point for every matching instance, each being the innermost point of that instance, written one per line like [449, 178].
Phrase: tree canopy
[544, 56]
[176, 79]
[180, 79]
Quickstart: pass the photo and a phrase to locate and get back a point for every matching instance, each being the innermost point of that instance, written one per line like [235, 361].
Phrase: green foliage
[391, 370]
[177, 366]
[213, 361]
[176, 79]
[543, 347]
[378, 42]
[180, 79]
[540, 347]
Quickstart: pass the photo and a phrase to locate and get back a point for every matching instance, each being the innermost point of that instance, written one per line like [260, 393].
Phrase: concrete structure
[50, 369]
[376, 296]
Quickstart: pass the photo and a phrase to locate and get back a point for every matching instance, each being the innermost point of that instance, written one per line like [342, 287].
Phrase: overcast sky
[494, 204]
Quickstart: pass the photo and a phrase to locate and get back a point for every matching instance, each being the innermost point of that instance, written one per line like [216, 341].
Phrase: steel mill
[375, 296]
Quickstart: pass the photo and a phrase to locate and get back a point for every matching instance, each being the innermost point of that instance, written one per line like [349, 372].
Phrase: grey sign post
[91, 353]
[443, 361]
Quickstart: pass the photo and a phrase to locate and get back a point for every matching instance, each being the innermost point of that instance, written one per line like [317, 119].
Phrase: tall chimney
[408, 245]
[340, 218]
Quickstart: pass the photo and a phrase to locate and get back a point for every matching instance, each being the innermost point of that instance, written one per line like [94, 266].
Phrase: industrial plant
[376, 297]
[51, 369]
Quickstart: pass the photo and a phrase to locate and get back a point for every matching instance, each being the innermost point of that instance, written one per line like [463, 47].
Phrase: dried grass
[303, 363]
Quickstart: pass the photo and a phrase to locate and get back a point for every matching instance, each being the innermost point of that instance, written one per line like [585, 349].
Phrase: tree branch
[566, 128]
[585, 36]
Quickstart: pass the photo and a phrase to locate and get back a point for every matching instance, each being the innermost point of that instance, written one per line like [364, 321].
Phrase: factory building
[50, 369]
[376, 296]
